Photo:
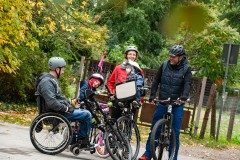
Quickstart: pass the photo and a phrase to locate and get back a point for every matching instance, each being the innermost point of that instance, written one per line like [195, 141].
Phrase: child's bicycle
[163, 142]
[100, 146]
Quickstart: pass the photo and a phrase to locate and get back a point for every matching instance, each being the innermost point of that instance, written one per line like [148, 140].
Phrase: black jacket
[173, 81]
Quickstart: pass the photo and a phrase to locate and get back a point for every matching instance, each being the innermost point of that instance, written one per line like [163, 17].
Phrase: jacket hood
[44, 75]
[41, 77]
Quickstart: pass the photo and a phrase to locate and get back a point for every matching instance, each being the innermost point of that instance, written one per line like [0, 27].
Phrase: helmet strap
[58, 73]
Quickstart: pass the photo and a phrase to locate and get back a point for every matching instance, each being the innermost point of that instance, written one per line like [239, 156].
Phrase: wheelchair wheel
[50, 133]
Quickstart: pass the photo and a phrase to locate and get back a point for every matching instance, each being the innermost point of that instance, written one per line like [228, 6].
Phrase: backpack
[184, 71]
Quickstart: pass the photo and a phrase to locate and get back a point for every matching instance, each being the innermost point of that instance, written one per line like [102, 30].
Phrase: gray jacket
[49, 96]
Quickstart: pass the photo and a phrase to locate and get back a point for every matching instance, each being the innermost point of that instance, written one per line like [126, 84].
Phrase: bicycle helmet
[56, 62]
[177, 50]
[131, 48]
[98, 76]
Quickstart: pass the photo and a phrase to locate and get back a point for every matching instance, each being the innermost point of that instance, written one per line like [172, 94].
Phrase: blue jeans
[82, 115]
[177, 121]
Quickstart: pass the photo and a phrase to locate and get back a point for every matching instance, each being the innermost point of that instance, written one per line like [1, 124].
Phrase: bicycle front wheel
[118, 148]
[130, 130]
[161, 138]
[101, 148]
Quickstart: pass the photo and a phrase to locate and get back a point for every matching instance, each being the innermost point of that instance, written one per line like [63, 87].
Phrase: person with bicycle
[119, 75]
[174, 80]
[51, 99]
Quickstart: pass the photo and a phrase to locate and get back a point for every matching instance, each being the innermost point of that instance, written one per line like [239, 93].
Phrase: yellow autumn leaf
[84, 3]
[69, 1]
[51, 26]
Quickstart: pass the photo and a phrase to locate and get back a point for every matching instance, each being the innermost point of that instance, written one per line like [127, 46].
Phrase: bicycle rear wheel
[118, 149]
[161, 138]
[130, 130]
[50, 133]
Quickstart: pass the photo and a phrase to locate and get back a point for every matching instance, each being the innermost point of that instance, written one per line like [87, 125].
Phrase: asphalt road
[15, 144]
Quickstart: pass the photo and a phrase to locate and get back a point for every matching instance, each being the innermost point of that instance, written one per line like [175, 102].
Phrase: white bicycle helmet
[98, 76]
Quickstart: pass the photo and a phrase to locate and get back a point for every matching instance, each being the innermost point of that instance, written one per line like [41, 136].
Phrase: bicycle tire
[118, 150]
[133, 136]
[163, 147]
[101, 148]
[50, 133]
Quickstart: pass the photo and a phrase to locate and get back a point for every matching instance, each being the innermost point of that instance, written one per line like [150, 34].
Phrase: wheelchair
[51, 133]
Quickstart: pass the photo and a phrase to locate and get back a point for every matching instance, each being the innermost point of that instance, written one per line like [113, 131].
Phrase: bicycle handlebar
[168, 101]
[99, 92]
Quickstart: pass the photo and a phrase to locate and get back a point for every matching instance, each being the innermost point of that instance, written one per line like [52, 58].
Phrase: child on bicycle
[94, 81]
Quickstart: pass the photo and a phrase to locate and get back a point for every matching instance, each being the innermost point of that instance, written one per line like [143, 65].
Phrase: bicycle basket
[126, 90]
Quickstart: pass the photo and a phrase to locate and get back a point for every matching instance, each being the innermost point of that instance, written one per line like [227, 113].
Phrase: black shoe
[136, 104]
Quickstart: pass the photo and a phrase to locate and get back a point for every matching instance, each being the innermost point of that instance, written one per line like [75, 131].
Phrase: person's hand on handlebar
[152, 101]
[182, 100]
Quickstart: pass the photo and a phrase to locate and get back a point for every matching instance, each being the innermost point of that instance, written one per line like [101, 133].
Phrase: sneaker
[143, 157]
[136, 104]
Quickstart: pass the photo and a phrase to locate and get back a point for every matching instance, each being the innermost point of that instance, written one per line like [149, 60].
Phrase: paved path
[15, 144]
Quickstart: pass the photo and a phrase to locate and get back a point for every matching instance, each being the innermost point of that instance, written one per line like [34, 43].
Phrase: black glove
[70, 110]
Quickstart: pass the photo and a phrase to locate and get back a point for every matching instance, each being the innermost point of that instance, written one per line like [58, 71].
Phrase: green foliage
[116, 54]
[134, 19]
[151, 61]
[204, 48]
[15, 25]
[231, 11]
[21, 86]
[64, 30]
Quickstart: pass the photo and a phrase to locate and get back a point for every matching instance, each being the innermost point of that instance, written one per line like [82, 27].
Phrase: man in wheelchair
[50, 99]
